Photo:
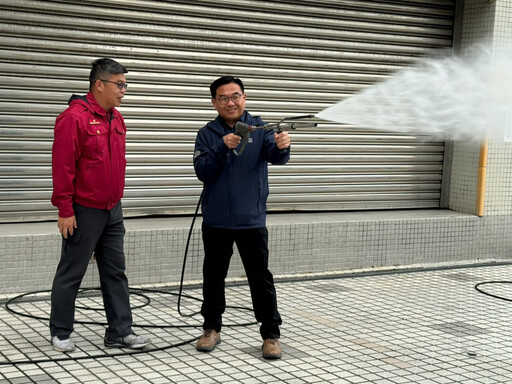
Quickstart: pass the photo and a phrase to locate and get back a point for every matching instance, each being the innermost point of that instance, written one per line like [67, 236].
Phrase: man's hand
[282, 139]
[231, 140]
[66, 226]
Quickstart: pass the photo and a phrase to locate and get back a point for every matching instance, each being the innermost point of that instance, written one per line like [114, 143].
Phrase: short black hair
[223, 81]
[105, 67]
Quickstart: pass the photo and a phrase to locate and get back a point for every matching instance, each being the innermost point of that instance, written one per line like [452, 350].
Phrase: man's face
[230, 110]
[110, 94]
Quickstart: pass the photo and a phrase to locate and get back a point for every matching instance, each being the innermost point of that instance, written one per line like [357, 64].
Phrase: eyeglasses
[120, 86]
[223, 100]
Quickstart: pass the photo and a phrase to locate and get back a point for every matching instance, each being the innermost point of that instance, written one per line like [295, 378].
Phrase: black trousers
[252, 245]
[102, 232]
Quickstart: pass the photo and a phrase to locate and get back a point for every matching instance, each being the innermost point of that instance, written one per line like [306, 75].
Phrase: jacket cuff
[66, 212]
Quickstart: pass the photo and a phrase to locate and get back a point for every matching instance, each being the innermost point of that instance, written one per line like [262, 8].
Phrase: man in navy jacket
[234, 211]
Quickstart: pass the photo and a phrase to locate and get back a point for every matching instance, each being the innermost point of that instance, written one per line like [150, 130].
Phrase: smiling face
[107, 93]
[231, 111]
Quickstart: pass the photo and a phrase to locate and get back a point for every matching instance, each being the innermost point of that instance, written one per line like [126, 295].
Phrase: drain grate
[459, 328]
[460, 277]
[330, 288]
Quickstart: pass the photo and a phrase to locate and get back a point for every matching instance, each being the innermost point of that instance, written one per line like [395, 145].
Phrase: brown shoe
[208, 341]
[272, 349]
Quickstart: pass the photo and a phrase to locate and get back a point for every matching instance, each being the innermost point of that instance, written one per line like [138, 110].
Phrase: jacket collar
[96, 107]
[90, 103]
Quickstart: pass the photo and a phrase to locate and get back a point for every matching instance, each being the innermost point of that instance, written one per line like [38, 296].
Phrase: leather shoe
[272, 349]
[208, 341]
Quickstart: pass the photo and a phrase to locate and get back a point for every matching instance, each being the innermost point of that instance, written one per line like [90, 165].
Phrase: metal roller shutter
[294, 57]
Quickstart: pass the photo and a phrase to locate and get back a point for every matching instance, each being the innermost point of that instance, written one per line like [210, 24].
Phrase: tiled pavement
[426, 326]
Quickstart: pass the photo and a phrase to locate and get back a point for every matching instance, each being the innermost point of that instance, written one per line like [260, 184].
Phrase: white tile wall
[490, 23]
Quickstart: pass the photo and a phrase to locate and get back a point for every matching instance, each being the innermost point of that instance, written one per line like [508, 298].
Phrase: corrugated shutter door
[294, 57]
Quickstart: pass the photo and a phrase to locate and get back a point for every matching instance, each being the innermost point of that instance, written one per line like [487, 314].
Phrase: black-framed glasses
[223, 100]
[120, 86]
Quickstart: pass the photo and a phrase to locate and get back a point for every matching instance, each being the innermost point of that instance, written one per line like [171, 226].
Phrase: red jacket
[88, 156]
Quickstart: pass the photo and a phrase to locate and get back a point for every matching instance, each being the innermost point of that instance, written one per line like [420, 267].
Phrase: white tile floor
[420, 327]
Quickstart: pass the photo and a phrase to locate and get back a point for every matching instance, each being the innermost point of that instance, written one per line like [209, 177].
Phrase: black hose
[477, 287]
[185, 257]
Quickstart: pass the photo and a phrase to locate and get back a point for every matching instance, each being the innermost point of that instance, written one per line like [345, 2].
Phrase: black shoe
[131, 341]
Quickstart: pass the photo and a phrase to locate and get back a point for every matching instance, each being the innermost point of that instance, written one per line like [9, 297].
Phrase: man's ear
[97, 86]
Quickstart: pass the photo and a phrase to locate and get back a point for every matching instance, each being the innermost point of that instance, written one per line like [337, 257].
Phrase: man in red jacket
[88, 169]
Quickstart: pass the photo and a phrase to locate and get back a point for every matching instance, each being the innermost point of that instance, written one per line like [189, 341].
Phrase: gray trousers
[102, 232]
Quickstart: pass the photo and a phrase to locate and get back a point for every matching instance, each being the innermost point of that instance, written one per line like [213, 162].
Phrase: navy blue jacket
[235, 187]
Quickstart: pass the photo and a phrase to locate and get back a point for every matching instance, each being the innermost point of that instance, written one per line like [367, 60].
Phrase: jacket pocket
[96, 140]
[120, 141]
